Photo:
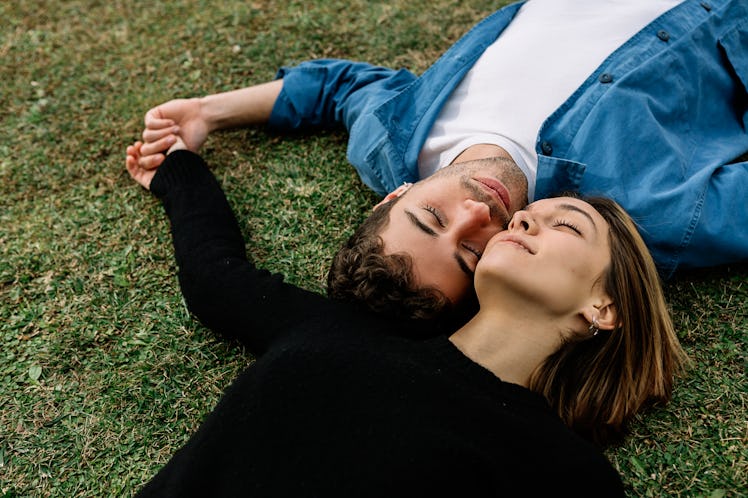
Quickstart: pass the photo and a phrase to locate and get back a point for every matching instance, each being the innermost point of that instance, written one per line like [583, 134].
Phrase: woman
[572, 332]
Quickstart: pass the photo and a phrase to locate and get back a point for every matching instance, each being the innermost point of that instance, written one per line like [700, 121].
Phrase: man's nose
[476, 215]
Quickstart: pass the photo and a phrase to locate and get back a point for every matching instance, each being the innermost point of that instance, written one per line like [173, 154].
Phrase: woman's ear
[394, 194]
[604, 313]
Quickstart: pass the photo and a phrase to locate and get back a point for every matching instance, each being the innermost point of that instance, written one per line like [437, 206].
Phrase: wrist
[237, 108]
[211, 112]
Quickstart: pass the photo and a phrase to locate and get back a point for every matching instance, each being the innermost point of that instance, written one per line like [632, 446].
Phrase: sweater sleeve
[224, 290]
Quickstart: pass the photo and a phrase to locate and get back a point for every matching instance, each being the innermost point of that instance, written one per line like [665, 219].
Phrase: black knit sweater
[338, 401]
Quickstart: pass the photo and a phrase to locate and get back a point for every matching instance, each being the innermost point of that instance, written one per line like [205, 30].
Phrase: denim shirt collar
[409, 115]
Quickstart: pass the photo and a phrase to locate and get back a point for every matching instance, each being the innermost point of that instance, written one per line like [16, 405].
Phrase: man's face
[445, 221]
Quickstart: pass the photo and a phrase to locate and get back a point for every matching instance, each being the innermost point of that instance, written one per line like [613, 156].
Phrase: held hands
[177, 124]
[189, 121]
[165, 124]
[136, 157]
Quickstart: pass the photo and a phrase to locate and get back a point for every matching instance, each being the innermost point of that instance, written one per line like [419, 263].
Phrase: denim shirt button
[663, 35]
[606, 78]
[547, 148]
[706, 6]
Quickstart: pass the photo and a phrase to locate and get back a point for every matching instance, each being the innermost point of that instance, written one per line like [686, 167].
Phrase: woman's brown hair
[597, 384]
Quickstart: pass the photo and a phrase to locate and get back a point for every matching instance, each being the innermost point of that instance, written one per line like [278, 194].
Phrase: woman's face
[553, 255]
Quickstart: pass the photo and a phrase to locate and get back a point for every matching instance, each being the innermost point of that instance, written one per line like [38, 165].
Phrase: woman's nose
[523, 221]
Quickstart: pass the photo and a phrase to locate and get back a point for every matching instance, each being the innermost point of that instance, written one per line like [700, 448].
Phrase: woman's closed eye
[567, 224]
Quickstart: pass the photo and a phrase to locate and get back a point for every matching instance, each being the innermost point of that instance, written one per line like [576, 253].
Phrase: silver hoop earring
[594, 328]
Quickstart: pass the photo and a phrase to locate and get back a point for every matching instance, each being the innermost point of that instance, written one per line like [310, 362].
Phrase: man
[643, 101]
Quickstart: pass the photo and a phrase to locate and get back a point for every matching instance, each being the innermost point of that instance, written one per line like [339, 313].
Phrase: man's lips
[497, 190]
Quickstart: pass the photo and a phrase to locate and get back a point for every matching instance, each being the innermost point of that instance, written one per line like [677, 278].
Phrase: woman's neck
[510, 347]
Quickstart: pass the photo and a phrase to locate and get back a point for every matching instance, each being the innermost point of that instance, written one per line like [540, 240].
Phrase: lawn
[103, 373]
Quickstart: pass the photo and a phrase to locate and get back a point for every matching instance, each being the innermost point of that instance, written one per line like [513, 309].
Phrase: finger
[154, 119]
[157, 146]
[131, 164]
[133, 150]
[137, 146]
[151, 162]
[151, 134]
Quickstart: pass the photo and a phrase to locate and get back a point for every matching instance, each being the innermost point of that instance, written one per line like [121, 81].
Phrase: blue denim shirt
[655, 127]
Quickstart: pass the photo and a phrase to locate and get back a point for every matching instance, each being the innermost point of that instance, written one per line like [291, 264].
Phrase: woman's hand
[136, 158]
[140, 174]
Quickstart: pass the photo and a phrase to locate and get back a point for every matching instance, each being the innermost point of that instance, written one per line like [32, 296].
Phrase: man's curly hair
[361, 272]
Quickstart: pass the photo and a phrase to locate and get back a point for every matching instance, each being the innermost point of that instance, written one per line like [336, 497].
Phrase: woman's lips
[512, 239]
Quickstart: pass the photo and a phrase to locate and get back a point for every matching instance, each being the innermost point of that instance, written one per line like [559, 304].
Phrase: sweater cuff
[181, 167]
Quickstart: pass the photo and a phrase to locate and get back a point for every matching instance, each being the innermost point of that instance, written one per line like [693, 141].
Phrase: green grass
[103, 374]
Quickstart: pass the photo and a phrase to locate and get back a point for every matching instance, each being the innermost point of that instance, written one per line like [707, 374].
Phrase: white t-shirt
[546, 52]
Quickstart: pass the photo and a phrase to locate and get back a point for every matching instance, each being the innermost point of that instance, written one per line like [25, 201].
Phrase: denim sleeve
[720, 232]
[329, 93]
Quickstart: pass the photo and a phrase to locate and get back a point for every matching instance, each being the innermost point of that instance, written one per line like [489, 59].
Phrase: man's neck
[481, 151]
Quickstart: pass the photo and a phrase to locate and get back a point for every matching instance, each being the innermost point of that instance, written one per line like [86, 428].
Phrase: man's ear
[605, 313]
[394, 194]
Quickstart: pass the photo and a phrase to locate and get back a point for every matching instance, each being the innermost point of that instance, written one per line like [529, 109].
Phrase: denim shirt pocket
[557, 175]
[733, 44]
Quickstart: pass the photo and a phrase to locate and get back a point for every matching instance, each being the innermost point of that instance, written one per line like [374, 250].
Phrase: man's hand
[180, 118]
[191, 120]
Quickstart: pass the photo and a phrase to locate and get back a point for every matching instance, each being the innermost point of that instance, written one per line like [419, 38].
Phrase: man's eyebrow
[464, 266]
[572, 207]
[421, 225]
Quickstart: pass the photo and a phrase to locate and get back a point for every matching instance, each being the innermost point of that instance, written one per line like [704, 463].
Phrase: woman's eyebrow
[572, 207]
